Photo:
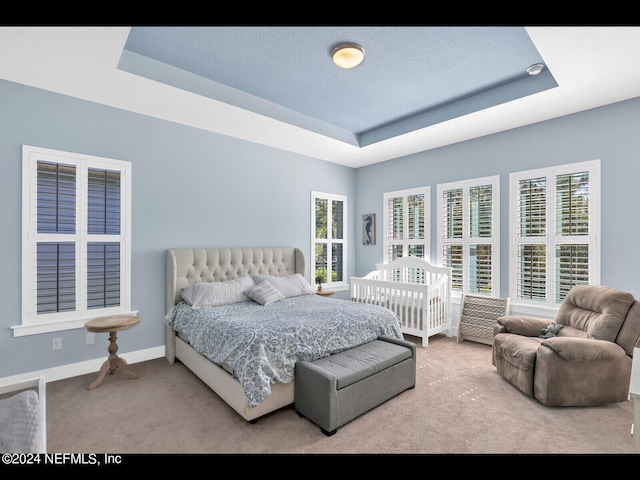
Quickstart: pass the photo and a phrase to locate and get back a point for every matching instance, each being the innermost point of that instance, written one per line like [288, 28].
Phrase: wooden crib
[418, 292]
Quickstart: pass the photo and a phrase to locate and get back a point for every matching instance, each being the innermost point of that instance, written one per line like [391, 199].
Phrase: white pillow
[264, 293]
[288, 285]
[214, 294]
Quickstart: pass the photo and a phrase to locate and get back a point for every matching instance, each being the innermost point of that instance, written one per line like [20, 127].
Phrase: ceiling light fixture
[348, 55]
[535, 69]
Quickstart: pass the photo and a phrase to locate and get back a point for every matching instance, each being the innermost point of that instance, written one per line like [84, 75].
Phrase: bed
[244, 350]
[418, 292]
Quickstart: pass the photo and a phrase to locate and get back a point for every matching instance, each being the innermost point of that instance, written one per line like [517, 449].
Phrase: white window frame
[466, 240]
[32, 322]
[407, 242]
[549, 306]
[329, 241]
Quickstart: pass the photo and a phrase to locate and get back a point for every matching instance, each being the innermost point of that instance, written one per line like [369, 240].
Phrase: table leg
[103, 372]
[113, 362]
[122, 363]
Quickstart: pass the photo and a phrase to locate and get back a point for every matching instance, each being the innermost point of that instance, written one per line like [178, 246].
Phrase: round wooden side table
[112, 324]
[324, 293]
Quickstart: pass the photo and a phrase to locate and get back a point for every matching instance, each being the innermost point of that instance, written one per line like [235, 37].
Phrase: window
[555, 220]
[469, 234]
[405, 224]
[76, 258]
[328, 220]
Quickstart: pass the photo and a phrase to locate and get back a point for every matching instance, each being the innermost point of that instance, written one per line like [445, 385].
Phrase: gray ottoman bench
[334, 390]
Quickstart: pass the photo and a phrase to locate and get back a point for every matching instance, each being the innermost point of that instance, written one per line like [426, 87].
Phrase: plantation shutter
[556, 245]
[56, 246]
[452, 231]
[467, 237]
[56, 255]
[416, 227]
[103, 258]
[572, 222]
[395, 228]
[76, 234]
[532, 254]
[405, 229]
[480, 238]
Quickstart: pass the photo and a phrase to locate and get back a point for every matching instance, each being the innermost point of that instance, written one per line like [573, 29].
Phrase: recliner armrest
[583, 349]
[519, 325]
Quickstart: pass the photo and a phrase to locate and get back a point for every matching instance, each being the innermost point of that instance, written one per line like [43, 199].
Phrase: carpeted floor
[460, 406]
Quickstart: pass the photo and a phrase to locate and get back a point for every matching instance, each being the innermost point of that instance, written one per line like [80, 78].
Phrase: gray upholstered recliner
[587, 363]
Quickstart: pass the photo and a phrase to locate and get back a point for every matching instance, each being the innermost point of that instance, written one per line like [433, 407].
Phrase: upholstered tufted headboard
[187, 266]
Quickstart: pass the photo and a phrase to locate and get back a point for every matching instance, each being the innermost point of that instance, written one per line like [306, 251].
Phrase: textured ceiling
[411, 78]
[109, 65]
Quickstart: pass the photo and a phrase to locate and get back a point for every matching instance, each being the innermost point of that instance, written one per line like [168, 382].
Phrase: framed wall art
[369, 229]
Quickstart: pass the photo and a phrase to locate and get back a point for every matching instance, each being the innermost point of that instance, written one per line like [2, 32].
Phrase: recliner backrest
[598, 310]
[629, 334]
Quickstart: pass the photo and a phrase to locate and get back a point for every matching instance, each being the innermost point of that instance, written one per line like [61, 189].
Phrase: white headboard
[187, 266]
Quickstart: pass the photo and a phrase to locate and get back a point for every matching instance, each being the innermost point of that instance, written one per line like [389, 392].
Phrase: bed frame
[418, 292]
[185, 267]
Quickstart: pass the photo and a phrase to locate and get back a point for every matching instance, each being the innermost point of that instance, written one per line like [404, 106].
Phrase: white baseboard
[82, 368]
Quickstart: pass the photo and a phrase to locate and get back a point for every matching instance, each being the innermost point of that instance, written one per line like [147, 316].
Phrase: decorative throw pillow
[264, 293]
[214, 294]
[288, 285]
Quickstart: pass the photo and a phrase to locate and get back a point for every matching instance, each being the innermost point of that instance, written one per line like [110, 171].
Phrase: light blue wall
[194, 188]
[191, 188]
[610, 133]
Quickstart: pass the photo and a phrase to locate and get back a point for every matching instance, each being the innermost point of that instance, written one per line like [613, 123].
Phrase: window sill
[533, 311]
[54, 326]
[334, 288]
[520, 309]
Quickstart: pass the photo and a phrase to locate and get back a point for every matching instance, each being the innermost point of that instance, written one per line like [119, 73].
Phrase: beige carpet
[460, 406]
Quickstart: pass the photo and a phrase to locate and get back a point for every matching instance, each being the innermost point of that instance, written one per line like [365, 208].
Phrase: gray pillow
[288, 285]
[214, 294]
[264, 293]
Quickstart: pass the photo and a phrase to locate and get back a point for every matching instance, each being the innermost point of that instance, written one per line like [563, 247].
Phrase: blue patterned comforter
[262, 343]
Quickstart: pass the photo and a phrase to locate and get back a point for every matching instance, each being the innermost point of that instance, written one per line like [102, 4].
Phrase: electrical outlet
[91, 338]
[57, 344]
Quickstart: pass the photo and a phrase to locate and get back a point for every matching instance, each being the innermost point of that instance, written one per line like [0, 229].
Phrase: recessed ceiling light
[535, 69]
[348, 55]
